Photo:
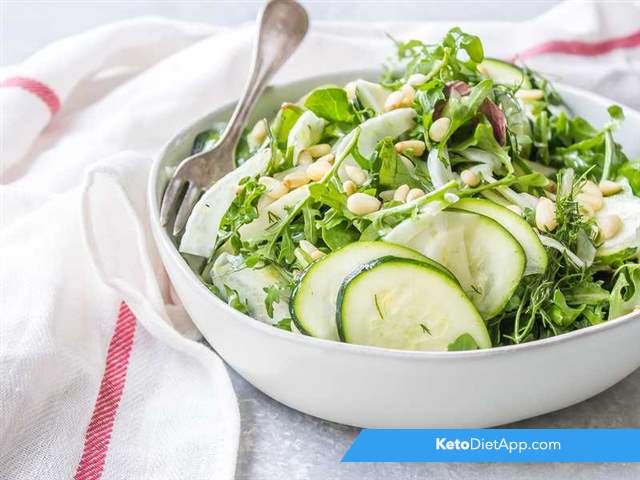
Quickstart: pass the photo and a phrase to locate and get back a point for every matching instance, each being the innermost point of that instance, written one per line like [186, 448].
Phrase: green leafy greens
[520, 144]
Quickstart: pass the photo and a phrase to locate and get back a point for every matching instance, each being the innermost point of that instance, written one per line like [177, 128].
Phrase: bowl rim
[164, 242]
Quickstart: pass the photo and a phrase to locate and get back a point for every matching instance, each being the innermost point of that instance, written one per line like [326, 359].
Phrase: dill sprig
[533, 318]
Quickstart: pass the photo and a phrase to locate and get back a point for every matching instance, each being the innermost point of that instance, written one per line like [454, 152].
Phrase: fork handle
[282, 26]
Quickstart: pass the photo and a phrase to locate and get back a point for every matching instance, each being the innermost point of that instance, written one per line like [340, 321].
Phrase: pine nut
[296, 179]
[609, 225]
[439, 129]
[414, 194]
[451, 197]
[274, 188]
[387, 195]
[317, 254]
[598, 202]
[329, 157]
[308, 247]
[608, 188]
[238, 189]
[593, 201]
[515, 209]
[470, 178]
[415, 147]
[350, 88]
[305, 158]
[530, 94]
[546, 220]
[400, 98]
[400, 195]
[318, 169]
[356, 174]
[362, 204]
[417, 79]
[394, 100]
[591, 188]
[257, 134]
[409, 94]
[482, 70]
[586, 209]
[349, 187]
[319, 150]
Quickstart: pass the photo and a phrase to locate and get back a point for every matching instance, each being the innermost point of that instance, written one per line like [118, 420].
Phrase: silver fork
[282, 26]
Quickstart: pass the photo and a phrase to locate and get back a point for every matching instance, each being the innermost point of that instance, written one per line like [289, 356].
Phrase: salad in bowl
[455, 204]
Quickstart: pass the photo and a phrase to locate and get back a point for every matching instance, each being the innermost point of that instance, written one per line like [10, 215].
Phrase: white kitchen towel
[97, 380]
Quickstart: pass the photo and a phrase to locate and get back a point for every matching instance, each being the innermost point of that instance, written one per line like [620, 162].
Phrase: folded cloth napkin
[100, 376]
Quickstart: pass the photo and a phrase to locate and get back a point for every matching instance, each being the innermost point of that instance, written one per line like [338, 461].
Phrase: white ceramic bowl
[383, 388]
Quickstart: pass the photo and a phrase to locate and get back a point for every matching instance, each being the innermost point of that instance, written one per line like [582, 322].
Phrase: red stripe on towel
[37, 88]
[587, 49]
[98, 435]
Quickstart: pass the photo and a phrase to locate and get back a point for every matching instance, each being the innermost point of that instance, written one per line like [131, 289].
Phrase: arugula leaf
[578, 145]
[243, 208]
[231, 296]
[309, 216]
[616, 260]
[518, 125]
[625, 296]
[460, 110]
[586, 293]
[616, 113]
[631, 171]
[274, 293]
[469, 43]
[484, 139]
[329, 194]
[442, 61]
[284, 324]
[463, 342]
[429, 94]
[394, 170]
[331, 103]
[561, 313]
[339, 235]
[594, 315]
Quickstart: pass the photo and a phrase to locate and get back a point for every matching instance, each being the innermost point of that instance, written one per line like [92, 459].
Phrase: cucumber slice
[313, 300]
[517, 226]
[405, 304]
[485, 258]
[202, 227]
[504, 73]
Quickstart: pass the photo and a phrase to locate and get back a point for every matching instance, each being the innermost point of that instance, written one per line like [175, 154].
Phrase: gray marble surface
[280, 443]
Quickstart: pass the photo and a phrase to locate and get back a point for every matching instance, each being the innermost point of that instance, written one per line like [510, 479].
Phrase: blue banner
[496, 445]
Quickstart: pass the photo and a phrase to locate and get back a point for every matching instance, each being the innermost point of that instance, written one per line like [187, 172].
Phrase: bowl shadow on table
[278, 442]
